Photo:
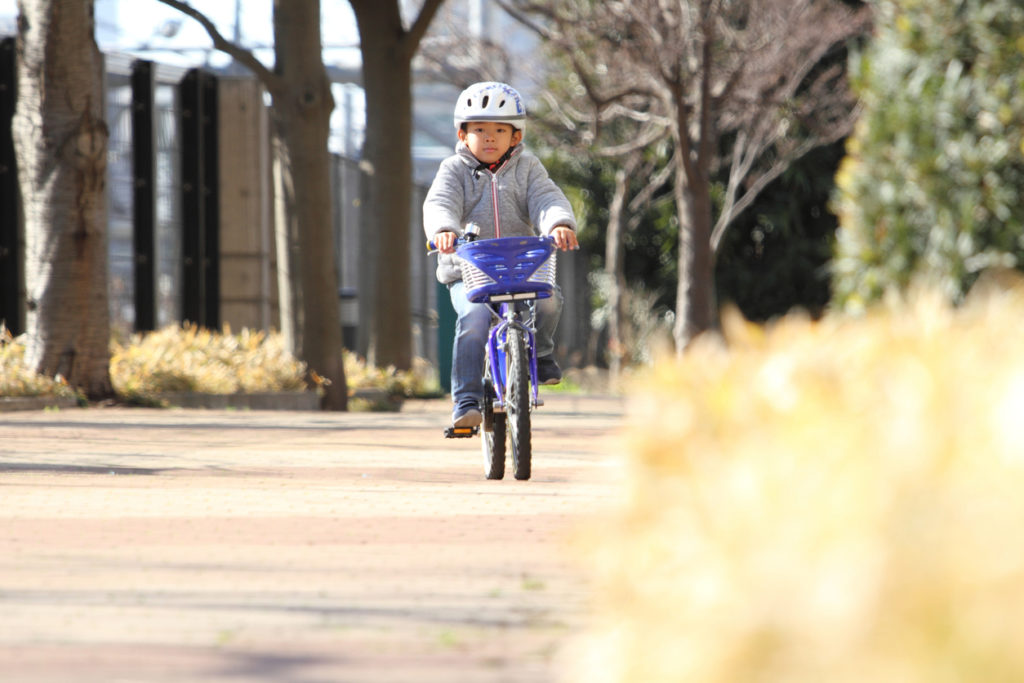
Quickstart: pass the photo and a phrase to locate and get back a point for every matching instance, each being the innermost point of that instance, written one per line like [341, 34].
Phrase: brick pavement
[192, 545]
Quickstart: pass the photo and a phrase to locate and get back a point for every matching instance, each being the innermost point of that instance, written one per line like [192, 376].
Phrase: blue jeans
[471, 328]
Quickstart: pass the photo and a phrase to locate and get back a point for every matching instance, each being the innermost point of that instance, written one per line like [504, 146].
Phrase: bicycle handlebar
[469, 237]
[471, 233]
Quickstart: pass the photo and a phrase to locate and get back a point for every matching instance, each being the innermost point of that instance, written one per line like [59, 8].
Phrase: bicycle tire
[493, 434]
[517, 402]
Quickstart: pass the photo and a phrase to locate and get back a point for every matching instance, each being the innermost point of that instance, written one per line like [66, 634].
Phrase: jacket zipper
[494, 204]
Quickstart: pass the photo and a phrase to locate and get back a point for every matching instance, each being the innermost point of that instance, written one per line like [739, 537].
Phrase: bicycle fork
[497, 344]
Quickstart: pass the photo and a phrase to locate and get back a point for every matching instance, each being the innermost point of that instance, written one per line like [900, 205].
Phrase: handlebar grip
[470, 234]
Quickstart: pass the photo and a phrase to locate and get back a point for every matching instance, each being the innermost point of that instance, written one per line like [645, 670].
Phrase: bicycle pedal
[461, 432]
[539, 402]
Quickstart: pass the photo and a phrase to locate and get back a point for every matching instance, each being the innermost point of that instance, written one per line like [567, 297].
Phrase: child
[492, 182]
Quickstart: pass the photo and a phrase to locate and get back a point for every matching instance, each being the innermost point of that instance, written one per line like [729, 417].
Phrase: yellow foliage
[420, 380]
[836, 501]
[19, 380]
[191, 358]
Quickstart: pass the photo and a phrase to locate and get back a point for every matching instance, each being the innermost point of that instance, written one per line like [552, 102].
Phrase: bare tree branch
[738, 206]
[422, 23]
[269, 79]
[644, 196]
[523, 18]
[646, 139]
[738, 85]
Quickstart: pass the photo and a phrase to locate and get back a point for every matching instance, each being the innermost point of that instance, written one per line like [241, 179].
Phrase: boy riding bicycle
[491, 181]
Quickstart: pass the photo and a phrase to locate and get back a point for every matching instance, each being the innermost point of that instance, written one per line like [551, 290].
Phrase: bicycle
[508, 274]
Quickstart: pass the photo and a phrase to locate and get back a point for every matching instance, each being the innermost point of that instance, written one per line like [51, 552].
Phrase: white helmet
[490, 101]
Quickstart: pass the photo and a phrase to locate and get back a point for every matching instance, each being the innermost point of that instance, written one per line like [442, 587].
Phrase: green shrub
[933, 185]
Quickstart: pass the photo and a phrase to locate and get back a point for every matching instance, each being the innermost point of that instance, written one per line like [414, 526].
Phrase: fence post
[446, 318]
[211, 198]
[246, 233]
[10, 247]
[144, 194]
[200, 198]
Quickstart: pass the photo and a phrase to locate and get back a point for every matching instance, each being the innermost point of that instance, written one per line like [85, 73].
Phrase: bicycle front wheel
[493, 433]
[517, 401]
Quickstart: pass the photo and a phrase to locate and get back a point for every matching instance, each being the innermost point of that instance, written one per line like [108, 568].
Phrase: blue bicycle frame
[509, 317]
[508, 274]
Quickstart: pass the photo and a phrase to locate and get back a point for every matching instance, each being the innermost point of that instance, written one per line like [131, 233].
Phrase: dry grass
[193, 359]
[833, 501]
[419, 381]
[18, 380]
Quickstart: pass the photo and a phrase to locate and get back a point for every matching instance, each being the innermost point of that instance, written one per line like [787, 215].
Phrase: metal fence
[172, 220]
[123, 186]
[346, 179]
[11, 290]
[149, 184]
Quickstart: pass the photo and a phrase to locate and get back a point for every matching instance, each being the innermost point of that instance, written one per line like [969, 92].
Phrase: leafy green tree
[932, 188]
[776, 256]
[627, 199]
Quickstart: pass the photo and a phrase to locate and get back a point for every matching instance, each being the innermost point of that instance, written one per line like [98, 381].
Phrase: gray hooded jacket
[519, 199]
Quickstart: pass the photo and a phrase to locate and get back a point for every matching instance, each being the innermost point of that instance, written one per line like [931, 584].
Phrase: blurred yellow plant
[420, 380]
[838, 501]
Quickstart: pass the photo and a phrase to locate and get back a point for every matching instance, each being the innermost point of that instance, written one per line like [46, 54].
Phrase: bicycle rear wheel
[517, 401]
[493, 433]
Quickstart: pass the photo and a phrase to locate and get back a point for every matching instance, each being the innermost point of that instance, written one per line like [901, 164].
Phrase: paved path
[191, 546]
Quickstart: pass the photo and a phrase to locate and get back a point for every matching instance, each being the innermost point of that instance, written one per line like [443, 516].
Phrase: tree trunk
[301, 114]
[286, 243]
[61, 144]
[387, 163]
[386, 217]
[615, 270]
[695, 294]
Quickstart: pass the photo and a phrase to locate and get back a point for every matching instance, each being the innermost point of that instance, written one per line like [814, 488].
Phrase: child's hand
[445, 242]
[565, 238]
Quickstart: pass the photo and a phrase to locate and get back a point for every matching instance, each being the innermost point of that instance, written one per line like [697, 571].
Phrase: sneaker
[548, 371]
[467, 417]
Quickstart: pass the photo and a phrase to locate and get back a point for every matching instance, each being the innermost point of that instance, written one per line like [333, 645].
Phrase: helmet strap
[493, 168]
